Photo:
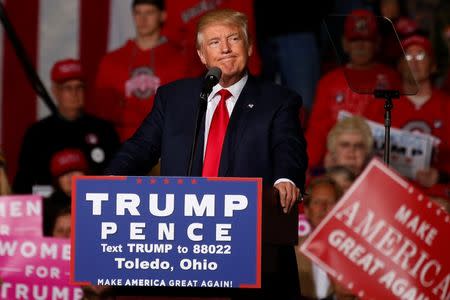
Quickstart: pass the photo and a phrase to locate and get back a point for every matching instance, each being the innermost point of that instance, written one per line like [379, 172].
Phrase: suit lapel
[238, 125]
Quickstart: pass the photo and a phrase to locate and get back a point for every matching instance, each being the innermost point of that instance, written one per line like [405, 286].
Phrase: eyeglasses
[418, 57]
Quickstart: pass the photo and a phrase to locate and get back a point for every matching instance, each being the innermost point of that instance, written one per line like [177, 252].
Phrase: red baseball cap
[66, 69]
[420, 41]
[361, 24]
[66, 161]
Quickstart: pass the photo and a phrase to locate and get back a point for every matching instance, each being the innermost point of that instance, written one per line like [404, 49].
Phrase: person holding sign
[323, 194]
[250, 129]
[426, 112]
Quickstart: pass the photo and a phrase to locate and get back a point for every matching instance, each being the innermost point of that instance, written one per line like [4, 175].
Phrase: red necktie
[216, 136]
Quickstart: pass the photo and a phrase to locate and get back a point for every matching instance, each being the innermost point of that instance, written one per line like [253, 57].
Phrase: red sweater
[127, 81]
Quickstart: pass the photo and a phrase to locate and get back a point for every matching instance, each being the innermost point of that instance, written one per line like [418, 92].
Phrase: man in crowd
[128, 77]
[250, 129]
[70, 127]
[339, 89]
[323, 194]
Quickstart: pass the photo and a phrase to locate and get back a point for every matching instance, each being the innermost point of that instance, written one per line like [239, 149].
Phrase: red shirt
[334, 94]
[433, 117]
[127, 81]
[181, 26]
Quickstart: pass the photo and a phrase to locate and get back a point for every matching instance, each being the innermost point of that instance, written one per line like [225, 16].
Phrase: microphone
[211, 79]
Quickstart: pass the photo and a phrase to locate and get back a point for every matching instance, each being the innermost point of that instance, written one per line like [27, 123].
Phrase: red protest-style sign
[385, 240]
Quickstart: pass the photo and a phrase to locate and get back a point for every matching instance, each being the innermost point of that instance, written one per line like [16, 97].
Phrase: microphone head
[213, 75]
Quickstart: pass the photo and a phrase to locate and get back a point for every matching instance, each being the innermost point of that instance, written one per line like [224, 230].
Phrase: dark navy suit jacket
[263, 138]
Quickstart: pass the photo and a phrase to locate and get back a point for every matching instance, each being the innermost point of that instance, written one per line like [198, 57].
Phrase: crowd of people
[337, 117]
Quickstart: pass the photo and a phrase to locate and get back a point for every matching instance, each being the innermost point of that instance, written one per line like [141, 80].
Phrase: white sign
[410, 151]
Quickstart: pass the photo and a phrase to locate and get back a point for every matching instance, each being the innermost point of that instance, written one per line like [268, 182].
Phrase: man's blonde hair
[354, 124]
[226, 17]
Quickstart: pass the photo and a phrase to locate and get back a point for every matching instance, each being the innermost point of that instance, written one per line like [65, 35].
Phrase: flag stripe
[51, 30]
[93, 40]
[19, 101]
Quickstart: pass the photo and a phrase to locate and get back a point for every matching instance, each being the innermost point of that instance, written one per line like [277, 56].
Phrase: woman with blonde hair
[349, 144]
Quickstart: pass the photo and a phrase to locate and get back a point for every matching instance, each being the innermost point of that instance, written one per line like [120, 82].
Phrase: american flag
[51, 30]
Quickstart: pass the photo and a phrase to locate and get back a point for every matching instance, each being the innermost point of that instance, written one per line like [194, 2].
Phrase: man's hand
[288, 195]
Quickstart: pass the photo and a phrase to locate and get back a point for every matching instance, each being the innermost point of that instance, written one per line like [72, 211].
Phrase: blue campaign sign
[167, 231]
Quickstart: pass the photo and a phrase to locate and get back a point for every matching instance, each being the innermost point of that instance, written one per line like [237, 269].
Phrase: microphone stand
[211, 79]
[200, 113]
[388, 95]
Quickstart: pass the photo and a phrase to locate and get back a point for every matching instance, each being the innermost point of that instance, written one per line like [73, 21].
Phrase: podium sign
[385, 240]
[167, 231]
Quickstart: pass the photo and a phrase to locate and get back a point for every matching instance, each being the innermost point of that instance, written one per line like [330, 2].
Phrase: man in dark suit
[250, 129]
